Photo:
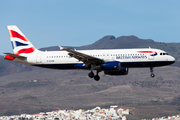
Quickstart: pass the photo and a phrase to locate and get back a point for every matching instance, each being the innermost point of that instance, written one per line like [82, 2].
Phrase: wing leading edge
[86, 59]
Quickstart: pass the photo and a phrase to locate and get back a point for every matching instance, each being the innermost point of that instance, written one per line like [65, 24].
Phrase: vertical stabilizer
[19, 41]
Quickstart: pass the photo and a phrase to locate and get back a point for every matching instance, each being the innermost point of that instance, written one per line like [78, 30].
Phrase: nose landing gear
[152, 74]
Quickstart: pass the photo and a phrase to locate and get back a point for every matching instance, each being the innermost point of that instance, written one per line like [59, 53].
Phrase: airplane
[110, 61]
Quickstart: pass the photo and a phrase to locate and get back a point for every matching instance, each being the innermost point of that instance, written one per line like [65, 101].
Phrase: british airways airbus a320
[111, 61]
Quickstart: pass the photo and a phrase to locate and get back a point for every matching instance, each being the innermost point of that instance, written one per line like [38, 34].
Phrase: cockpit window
[164, 54]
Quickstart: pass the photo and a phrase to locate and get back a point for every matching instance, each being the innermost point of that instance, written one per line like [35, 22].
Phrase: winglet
[61, 48]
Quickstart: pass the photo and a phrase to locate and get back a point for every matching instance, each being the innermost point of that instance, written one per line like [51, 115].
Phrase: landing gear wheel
[91, 74]
[152, 75]
[97, 78]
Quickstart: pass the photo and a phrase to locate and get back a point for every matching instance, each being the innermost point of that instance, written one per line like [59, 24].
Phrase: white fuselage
[128, 58]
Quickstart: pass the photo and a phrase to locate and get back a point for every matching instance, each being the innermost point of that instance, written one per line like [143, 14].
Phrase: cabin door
[38, 58]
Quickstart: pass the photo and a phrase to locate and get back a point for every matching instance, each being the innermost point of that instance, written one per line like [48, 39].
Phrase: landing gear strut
[152, 74]
[96, 77]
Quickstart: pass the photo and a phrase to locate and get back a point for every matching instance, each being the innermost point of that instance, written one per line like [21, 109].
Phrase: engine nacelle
[122, 71]
[113, 65]
[80, 66]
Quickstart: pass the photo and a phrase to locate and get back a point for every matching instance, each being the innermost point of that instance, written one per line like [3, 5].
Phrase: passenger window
[164, 53]
[160, 53]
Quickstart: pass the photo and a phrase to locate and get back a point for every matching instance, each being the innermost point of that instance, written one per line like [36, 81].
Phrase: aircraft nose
[172, 59]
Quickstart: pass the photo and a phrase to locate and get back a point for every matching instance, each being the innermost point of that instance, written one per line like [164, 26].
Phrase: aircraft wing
[86, 59]
[15, 56]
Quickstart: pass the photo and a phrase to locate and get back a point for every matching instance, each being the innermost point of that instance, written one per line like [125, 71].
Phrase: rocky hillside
[34, 90]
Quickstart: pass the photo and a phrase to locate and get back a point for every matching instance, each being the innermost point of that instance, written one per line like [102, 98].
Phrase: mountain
[109, 42]
[29, 89]
[10, 67]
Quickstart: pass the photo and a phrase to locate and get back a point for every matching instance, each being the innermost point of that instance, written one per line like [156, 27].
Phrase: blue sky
[82, 22]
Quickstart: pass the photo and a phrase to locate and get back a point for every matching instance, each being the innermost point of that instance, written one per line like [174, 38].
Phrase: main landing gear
[96, 77]
[152, 74]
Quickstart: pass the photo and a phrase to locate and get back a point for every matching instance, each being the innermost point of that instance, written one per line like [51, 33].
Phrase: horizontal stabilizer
[15, 56]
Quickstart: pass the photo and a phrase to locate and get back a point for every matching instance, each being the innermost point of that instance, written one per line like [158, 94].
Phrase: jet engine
[122, 71]
[112, 65]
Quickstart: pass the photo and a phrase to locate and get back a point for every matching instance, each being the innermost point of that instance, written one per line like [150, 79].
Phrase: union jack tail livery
[20, 44]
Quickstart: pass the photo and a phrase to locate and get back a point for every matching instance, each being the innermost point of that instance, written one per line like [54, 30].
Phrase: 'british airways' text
[132, 57]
